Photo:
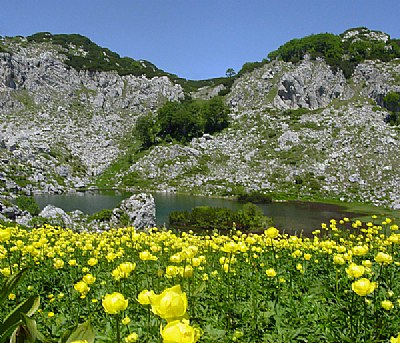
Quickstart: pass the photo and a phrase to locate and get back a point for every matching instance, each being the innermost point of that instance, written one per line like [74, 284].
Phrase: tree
[215, 115]
[230, 72]
[146, 129]
[392, 103]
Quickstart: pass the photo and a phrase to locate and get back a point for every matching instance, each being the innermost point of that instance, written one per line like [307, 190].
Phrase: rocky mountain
[298, 128]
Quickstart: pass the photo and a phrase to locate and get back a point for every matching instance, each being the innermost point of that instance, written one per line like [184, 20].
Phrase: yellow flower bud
[363, 287]
[171, 304]
[5, 235]
[144, 297]
[114, 303]
[179, 331]
[387, 305]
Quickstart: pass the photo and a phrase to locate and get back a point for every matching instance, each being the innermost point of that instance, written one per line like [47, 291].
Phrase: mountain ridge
[298, 128]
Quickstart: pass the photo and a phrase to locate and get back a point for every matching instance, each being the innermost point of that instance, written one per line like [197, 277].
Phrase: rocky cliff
[59, 126]
[302, 129]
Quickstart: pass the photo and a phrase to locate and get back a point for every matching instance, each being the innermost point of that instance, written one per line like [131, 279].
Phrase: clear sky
[196, 39]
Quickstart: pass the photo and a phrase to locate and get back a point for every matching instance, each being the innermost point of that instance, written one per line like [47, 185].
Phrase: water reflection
[293, 217]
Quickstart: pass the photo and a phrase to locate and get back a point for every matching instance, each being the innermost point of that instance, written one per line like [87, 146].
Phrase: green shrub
[29, 204]
[219, 218]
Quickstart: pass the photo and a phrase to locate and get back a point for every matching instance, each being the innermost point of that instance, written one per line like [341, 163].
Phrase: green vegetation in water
[249, 218]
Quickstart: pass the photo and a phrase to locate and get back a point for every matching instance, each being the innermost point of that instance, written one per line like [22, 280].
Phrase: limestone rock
[58, 215]
[138, 211]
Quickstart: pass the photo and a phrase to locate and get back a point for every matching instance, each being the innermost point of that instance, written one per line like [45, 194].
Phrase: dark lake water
[291, 217]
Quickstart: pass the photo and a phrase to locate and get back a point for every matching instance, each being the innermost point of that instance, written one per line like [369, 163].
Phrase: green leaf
[83, 331]
[10, 283]
[14, 318]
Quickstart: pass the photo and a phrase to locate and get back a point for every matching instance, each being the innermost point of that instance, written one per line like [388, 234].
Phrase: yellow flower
[355, 271]
[179, 332]
[58, 263]
[72, 263]
[395, 339]
[271, 232]
[171, 304]
[89, 279]
[270, 272]
[126, 321]
[387, 305]
[92, 261]
[5, 235]
[144, 297]
[338, 259]
[82, 287]
[50, 314]
[12, 296]
[171, 271]
[5, 272]
[360, 250]
[114, 303]
[367, 263]
[132, 338]
[363, 287]
[381, 257]
[237, 335]
[147, 256]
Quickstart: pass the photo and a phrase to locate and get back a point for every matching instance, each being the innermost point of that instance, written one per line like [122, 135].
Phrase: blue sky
[196, 39]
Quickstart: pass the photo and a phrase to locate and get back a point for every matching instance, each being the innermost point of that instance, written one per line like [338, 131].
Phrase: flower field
[342, 284]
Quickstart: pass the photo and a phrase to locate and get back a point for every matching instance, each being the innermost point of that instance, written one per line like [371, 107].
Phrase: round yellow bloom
[132, 338]
[367, 263]
[5, 235]
[271, 232]
[82, 287]
[58, 263]
[72, 263]
[171, 304]
[126, 321]
[5, 272]
[179, 332]
[147, 256]
[144, 297]
[355, 271]
[395, 339]
[114, 303]
[363, 287]
[382, 257]
[360, 250]
[171, 271]
[89, 279]
[92, 261]
[270, 272]
[12, 296]
[50, 314]
[338, 259]
[387, 305]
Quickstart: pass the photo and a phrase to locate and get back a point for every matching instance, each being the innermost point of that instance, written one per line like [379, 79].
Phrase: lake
[291, 217]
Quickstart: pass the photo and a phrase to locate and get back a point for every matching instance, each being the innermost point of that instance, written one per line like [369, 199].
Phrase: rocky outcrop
[57, 216]
[64, 125]
[138, 211]
[310, 84]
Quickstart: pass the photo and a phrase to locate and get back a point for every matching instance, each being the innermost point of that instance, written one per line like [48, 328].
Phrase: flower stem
[118, 329]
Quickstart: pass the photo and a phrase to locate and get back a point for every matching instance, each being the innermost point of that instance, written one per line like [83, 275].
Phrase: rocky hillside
[59, 127]
[299, 129]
